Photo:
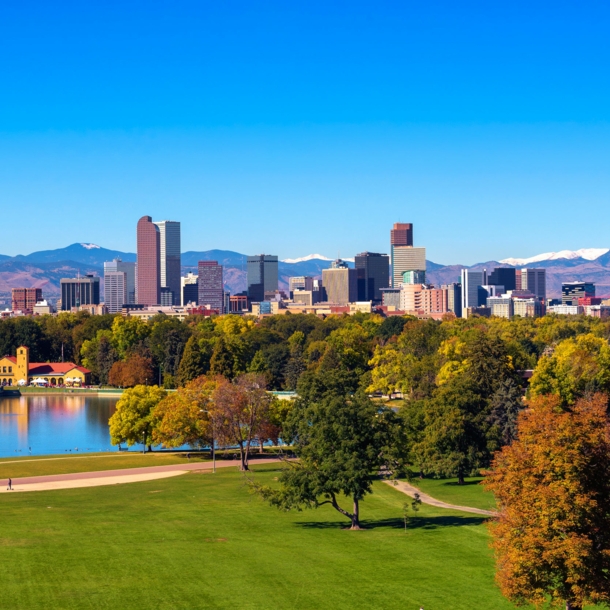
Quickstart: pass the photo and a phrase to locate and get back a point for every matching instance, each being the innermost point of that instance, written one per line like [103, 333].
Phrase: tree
[342, 444]
[183, 417]
[193, 363]
[454, 439]
[552, 535]
[506, 404]
[128, 333]
[221, 362]
[136, 370]
[167, 340]
[132, 422]
[239, 411]
[577, 366]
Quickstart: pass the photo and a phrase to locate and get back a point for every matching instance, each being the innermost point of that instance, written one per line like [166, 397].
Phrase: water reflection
[55, 424]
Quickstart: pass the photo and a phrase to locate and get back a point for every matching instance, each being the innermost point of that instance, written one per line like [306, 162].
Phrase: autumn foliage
[552, 535]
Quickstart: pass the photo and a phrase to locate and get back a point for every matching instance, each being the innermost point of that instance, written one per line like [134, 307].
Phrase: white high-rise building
[406, 258]
[471, 282]
[114, 296]
[169, 231]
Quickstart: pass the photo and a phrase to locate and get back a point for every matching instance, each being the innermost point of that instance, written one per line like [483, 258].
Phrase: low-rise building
[18, 370]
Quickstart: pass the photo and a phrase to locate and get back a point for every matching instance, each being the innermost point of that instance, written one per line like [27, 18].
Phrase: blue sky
[299, 127]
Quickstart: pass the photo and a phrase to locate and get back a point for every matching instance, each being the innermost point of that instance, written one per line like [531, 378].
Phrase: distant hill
[45, 268]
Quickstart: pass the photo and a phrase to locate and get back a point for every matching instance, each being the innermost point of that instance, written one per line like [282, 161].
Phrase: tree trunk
[260, 444]
[149, 448]
[243, 454]
[460, 477]
[356, 516]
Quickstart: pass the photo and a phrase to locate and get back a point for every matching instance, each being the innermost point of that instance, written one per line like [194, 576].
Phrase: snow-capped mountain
[589, 254]
[304, 259]
[91, 246]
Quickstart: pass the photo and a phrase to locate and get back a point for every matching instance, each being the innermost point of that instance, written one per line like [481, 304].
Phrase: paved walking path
[114, 477]
[410, 490]
[151, 473]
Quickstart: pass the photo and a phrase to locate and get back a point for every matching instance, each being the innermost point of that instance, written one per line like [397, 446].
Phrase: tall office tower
[572, 291]
[190, 289]
[24, 299]
[503, 276]
[76, 292]
[401, 236]
[340, 283]
[454, 298]
[211, 289]
[169, 258]
[303, 282]
[406, 258]
[116, 266]
[373, 274]
[534, 280]
[262, 276]
[115, 290]
[148, 282]
[471, 283]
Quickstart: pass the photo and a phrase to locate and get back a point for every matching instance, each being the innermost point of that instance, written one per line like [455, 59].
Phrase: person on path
[10, 485]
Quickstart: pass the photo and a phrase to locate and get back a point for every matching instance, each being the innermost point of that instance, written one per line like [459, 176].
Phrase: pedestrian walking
[10, 485]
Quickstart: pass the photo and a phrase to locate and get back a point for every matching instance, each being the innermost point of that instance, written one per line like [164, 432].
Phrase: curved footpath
[410, 490]
[151, 473]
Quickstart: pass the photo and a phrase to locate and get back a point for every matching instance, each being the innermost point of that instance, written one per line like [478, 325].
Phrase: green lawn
[448, 490]
[38, 466]
[201, 541]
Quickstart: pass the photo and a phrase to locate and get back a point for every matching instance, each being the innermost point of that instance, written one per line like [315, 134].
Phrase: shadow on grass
[428, 523]
[464, 484]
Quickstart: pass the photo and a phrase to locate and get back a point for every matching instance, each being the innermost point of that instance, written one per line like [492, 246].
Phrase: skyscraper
[471, 283]
[373, 274]
[340, 283]
[129, 285]
[211, 289]
[190, 289]
[406, 258]
[262, 276]
[503, 276]
[148, 283]
[76, 292]
[115, 290]
[401, 236]
[534, 280]
[24, 299]
[572, 291]
[169, 258]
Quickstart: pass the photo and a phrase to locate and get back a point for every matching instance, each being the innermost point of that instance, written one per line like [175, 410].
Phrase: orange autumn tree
[183, 417]
[552, 535]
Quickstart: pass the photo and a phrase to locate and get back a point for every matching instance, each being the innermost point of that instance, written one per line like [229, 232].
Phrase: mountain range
[45, 268]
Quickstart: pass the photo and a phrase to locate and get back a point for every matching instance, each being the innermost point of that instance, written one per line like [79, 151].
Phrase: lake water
[55, 424]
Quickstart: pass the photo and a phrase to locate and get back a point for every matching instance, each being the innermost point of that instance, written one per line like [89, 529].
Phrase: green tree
[194, 362]
[454, 439]
[342, 444]
[167, 340]
[127, 333]
[221, 362]
[506, 404]
[132, 422]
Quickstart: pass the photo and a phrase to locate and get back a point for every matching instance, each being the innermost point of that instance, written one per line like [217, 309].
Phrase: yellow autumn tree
[552, 535]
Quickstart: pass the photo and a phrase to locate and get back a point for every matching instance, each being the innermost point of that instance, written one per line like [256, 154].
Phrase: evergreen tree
[193, 363]
[221, 362]
[106, 357]
[506, 404]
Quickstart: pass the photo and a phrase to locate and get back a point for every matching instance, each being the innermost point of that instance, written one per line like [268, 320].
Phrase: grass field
[202, 541]
[448, 490]
[38, 466]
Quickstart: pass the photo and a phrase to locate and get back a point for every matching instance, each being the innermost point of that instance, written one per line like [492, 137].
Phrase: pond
[55, 424]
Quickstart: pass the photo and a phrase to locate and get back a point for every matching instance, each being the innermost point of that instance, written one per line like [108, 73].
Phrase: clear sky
[299, 127]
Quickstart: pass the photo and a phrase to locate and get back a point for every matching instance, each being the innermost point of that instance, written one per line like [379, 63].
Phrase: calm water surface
[55, 424]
